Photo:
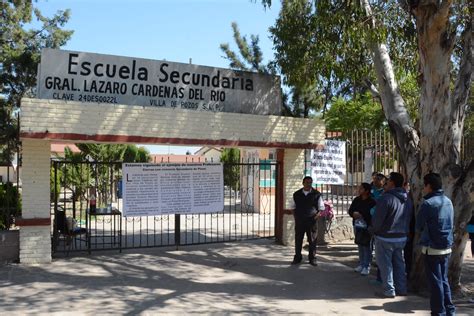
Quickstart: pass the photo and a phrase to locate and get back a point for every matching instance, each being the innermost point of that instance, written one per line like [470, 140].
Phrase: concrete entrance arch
[43, 121]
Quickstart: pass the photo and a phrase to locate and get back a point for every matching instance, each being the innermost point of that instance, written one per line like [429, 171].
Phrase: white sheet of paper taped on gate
[173, 188]
[328, 164]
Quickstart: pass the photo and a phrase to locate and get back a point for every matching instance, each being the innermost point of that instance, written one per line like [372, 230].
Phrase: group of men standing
[390, 230]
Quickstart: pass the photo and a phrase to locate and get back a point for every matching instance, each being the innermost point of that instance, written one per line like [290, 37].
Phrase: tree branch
[395, 111]
[235, 62]
[440, 10]
[286, 110]
[373, 90]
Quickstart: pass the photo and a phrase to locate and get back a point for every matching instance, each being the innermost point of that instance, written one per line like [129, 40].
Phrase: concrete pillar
[35, 224]
[293, 173]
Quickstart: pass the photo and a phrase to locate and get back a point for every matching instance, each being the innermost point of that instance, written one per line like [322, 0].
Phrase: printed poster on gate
[179, 188]
[328, 164]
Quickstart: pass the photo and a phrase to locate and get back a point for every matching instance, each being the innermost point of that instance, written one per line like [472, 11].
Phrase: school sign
[84, 97]
[96, 78]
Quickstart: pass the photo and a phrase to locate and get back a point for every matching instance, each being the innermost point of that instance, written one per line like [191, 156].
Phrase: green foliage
[326, 45]
[55, 182]
[410, 90]
[298, 101]
[8, 132]
[313, 46]
[230, 157]
[74, 176]
[251, 55]
[20, 50]
[78, 177]
[102, 174]
[10, 204]
[143, 155]
[362, 112]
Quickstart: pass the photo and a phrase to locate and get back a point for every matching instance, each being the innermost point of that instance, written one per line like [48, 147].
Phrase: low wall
[341, 229]
[9, 246]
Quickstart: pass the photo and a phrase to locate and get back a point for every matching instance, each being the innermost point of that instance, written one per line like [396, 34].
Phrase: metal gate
[384, 156]
[249, 210]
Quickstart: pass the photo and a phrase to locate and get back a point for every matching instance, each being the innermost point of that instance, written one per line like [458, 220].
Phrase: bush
[10, 205]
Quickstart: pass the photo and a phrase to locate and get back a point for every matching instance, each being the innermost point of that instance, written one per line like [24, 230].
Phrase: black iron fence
[366, 152]
[248, 213]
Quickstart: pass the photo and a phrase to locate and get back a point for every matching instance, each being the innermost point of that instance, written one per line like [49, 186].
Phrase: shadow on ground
[243, 277]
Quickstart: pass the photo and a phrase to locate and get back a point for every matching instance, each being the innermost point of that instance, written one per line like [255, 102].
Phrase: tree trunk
[436, 147]
[463, 200]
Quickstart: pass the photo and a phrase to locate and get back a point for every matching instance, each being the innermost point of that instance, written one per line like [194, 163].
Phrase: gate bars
[386, 159]
[249, 209]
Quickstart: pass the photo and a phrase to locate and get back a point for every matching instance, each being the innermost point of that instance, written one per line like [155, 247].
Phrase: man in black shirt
[307, 205]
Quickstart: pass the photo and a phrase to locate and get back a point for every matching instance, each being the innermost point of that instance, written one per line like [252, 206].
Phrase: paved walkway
[242, 278]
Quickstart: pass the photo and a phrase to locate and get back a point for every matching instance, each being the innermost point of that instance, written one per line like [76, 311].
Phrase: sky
[175, 30]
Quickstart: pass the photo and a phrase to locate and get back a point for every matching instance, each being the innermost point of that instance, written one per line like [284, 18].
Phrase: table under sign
[110, 232]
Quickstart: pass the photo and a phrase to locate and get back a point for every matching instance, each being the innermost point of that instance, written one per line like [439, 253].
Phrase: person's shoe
[383, 295]
[313, 262]
[358, 269]
[296, 260]
[365, 271]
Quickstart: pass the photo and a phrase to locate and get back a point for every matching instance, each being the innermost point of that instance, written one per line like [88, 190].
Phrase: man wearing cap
[307, 204]
[435, 222]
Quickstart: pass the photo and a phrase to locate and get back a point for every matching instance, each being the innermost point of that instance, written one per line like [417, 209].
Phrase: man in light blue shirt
[435, 222]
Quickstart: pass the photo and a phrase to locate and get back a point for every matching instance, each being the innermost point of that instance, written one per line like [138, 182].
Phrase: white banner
[97, 78]
[157, 189]
[328, 165]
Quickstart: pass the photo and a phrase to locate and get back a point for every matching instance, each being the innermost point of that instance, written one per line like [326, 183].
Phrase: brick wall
[35, 244]
[73, 121]
[155, 125]
[293, 177]
[35, 241]
[293, 173]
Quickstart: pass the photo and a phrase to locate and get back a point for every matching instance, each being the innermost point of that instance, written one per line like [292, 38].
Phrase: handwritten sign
[328, 165]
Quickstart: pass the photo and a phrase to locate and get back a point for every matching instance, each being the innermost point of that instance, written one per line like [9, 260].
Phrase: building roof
[59, 148]
[203, 150]
[156, 158]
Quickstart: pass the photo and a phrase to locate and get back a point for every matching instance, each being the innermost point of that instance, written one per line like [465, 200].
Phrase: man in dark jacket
[390, 227]
[307, 205]
[360, 211]
[435, 222]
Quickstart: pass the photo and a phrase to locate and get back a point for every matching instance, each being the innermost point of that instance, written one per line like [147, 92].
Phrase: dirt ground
[346, 254]
[467, 277]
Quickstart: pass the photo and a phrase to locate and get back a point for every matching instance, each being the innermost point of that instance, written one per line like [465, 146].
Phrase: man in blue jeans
[390, 225]
[435, 222]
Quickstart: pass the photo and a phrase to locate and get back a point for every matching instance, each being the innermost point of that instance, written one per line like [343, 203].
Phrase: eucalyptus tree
[20, 50]
[378, 45]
